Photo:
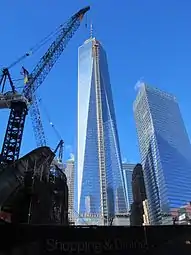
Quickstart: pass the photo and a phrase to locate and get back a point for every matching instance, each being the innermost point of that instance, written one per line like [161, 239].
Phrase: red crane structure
[19, 104]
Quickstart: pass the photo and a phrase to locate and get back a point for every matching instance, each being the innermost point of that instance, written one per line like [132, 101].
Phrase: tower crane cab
[6, 99]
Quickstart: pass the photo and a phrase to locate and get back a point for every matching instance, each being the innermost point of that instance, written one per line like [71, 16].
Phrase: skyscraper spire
[91, 31]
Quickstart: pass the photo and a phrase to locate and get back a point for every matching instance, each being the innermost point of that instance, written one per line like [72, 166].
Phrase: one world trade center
[99, 175]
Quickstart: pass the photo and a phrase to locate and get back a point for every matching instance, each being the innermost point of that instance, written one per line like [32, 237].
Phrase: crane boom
[37, 123]
[42, 69]
[60, 148]
[46, 63]
[15, 126]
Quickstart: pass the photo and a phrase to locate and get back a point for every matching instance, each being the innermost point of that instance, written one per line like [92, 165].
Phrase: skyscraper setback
[165, 151]
[100, 188]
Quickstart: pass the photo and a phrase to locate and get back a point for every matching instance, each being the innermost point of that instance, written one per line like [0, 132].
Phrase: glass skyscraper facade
[99, 170]
[127, 172]
[165, 151]
[69, 171]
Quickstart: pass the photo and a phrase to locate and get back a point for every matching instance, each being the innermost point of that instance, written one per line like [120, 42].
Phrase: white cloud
[139, 84]
[72, 157]
[69, 152]
[68, 148]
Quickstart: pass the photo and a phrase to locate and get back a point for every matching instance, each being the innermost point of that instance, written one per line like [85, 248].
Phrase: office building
[99, 171]
[122, 220]
[127, 172]
[139, 196]
[165, 151]
[146, 220]
[182, 216]
[69, 171]
[138, 184]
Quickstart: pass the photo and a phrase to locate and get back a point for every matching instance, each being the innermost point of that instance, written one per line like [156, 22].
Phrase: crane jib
[48, 60]
[15, 126]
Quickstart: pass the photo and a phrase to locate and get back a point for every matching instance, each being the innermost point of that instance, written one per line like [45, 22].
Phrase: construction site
[33, 188]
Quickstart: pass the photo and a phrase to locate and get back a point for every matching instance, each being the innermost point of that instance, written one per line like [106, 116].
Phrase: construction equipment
[20, 103]
[60, 148]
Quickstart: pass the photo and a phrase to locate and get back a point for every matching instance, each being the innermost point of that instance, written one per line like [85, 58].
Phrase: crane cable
[31, 51]
[49, 120]
[60, 138]
[37, 46]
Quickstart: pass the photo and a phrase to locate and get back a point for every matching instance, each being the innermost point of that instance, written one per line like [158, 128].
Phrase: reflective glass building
[165, 151]
[127, 172]
[69, 171]
[99, 173]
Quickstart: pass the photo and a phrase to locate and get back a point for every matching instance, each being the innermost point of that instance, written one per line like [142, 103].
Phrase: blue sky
[149, 39]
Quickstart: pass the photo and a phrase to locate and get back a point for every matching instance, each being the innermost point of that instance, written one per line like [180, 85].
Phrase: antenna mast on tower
[91, 31]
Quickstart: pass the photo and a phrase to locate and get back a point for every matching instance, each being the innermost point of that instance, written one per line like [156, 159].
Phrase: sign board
[89, 215]
[43, 240]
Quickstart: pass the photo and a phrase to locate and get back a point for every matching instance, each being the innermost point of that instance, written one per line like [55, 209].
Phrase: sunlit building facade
[69, 171]
[99, 174]
[127, 172]
[165, 151]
